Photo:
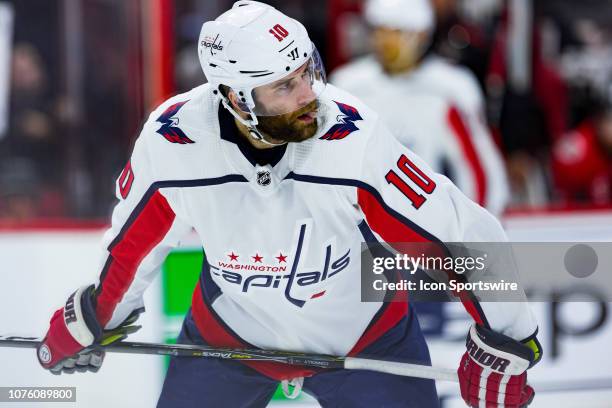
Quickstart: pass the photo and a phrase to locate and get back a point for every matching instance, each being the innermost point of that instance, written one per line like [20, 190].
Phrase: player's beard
[287, 127]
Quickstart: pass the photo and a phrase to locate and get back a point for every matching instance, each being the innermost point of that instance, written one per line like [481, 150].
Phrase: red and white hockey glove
[74, 333]
[493, 370]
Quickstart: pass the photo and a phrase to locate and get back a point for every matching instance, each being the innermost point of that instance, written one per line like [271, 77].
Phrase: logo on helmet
[294, 54]
[212, 45]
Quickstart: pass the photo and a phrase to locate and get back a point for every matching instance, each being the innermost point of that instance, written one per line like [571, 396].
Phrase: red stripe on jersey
[146, 231]
[210, 329]
[467, 146]
[471, 308]
[384, 224]
[395, 232]
[391, 316]
[216, 335]
[392, 231]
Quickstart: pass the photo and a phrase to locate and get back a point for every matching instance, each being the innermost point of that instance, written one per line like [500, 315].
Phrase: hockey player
[431, 106]
[283, 177]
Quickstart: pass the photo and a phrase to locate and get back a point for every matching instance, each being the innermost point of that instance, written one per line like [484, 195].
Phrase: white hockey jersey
[282, 241]
[436, 110]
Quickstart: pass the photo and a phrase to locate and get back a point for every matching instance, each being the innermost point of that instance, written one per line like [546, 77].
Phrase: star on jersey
[345, 126]
[169, 128]
[233, 257]
[281, 258]
[257, 258]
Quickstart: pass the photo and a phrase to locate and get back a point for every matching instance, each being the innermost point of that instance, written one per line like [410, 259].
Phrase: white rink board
[38, 272]
[40, 269]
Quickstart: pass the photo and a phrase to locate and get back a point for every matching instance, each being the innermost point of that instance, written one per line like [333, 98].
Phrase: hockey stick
[303, 359]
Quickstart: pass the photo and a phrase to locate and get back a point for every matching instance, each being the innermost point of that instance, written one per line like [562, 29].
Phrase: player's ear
[237, 104]
[233, 98]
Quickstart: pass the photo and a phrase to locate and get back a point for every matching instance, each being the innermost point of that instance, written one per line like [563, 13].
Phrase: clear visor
[297, 91]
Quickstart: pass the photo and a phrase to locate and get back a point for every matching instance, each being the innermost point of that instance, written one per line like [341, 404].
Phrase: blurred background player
[535, 62]
[582, 159]
[432, 106]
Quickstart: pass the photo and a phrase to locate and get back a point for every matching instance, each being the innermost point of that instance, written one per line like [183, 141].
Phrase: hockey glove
[74, 334]
[493, 370]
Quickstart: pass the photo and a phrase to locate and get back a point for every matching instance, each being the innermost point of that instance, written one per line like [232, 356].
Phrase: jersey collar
[249, 161]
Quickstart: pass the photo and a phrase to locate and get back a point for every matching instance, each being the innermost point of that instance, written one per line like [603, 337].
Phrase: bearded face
[287, 109]
[291, 127]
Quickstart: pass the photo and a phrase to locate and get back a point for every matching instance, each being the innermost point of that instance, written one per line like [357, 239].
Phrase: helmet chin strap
[251, 125]
[256, 134]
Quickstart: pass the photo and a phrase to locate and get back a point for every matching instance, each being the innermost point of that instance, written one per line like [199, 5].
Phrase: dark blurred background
[78, 77]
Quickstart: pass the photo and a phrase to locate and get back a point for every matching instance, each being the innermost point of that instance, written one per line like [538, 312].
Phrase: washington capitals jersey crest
[170, 125]
[346, 124]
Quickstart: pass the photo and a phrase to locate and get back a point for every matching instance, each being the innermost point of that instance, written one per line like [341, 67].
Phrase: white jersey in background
[282, 241]
[436, 110]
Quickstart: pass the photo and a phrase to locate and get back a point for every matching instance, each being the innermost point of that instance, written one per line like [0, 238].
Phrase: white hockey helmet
[252, 45]
[407, 15]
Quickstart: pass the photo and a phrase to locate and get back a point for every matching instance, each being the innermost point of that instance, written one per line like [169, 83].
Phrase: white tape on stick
[405, 369]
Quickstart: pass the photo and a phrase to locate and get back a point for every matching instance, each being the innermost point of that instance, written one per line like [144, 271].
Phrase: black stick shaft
[19, 342]
[192, 350]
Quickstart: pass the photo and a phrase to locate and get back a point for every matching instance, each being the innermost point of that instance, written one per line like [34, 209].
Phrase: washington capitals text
[330, 268]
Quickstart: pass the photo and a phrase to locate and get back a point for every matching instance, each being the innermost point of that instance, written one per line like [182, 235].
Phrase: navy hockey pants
[194, 382]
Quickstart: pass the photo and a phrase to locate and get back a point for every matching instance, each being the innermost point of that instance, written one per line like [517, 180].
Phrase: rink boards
[40, 268]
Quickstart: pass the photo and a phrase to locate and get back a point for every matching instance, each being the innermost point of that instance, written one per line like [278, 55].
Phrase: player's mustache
[308, 108]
